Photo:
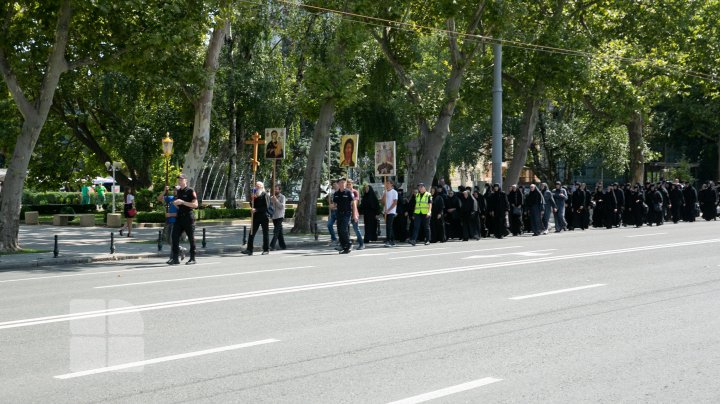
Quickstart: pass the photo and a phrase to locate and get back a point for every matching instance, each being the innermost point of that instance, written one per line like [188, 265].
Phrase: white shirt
[390, 197]
[129, 199]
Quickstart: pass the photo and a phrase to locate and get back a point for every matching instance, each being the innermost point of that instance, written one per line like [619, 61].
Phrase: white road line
[99, 273]
[533, 253]
[358, 281]
[645, 235]
[447, 391]
[390, 251]
[198, 277]
[455, 252]
[163, 359]
[554, 292]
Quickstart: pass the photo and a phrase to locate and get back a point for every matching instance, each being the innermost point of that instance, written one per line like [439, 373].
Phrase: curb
[62, 260]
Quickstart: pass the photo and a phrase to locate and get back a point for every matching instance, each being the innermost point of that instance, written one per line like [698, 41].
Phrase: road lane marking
[456, 252]
[164, 359]
[554, 292]
[199, 277]
[447, 391]
[395, 250]
[645, 235]
[533, 253]
[327, 285]
[99, 273]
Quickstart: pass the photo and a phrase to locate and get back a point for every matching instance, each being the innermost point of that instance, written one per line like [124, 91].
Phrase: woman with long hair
[128, 210]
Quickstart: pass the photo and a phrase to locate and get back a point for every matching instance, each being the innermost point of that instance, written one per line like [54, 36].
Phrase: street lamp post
[112, 167]
[167, 145]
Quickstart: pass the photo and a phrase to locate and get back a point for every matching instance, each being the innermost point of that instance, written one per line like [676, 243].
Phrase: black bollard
[56, 250]
[112, 243]
[244, 235]
[159, 240]
[204, 242]
[317, 235]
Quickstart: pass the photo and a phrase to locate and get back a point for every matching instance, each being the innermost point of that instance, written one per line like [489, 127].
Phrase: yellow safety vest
[422, 203]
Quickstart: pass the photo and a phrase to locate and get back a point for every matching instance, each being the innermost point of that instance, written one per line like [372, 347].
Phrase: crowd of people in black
[472, 213]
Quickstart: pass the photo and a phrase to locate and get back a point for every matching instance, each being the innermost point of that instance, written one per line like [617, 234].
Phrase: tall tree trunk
[203, 107]
[233, 140]
[306, 212]
[635, 136]
[523, 141]
[34, 114]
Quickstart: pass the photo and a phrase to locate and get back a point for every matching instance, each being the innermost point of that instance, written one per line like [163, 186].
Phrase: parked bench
[63, 219]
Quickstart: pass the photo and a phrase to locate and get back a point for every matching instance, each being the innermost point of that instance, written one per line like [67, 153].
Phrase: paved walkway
[90, 244]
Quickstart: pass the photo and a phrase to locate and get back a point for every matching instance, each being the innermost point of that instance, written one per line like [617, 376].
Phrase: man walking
[185, 202]
[261, 202]
[536, 205]
[389, 201]
[423, 209]
[560, 196]
[344, 205]
[278, 203]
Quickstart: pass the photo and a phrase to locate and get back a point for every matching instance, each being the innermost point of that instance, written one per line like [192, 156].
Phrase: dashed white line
[390, 251]
[447, 391]
[199, 277]
[646, 235]
[163, 359]
[455, 252]
[555, 292]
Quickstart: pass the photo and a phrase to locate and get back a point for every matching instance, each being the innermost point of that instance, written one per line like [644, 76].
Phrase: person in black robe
[691, 199]
[466, 212]
[609, 207]
[636, 210]
[498, 207]
[481, 214]
[400, 224]
[454, 228]
[437, 221]
[708, 201]
[655, 207]
[535, 203]
[597, 200]
[677, 202]
[579, 203]
[515, 197]
[369, 208]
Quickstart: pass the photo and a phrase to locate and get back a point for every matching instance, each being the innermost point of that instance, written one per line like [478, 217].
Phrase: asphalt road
[623, 315]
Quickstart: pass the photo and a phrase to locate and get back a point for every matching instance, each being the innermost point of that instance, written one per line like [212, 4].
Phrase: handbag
[132, 212]
[517, 211]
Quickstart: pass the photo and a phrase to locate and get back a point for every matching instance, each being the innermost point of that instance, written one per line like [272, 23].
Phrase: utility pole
[497, 139]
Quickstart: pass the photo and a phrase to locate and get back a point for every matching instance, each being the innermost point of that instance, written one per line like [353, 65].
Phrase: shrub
[68, 210]
[150, 217]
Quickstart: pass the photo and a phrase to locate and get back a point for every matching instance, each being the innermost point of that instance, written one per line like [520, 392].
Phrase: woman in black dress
[369, 208]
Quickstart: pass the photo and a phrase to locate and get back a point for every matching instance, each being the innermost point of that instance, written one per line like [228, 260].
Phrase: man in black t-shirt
[185, 201]
[343, 202]
[261, 201]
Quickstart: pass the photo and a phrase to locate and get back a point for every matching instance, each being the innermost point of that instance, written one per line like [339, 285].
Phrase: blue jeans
[343, 225]
[356, 227]
[331, 223]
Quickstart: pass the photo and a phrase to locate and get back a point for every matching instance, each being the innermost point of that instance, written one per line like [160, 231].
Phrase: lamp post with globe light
[167, 146]
[113, 167]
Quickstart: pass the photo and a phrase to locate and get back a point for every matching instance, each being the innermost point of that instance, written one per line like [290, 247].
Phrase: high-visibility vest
[422, 203]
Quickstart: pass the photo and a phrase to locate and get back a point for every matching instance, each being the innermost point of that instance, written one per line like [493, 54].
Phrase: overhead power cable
[412, 27]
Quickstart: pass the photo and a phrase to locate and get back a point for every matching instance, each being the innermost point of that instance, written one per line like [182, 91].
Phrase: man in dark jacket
[691, 199]
[677, 202]
[437, 222]
[498, 207]
[515, 197]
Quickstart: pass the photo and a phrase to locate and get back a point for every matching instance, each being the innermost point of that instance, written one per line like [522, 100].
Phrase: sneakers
[345, 251]
[246, 252]
[361, 247]
[427, 243]
[412, 243]
[191, 261]
[265, 253]
[174, 262]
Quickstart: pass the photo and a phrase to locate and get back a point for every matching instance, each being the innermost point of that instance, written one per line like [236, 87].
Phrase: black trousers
[343, 229]
[389, 231]
[184, 224]
[278, 234]
[260, 219]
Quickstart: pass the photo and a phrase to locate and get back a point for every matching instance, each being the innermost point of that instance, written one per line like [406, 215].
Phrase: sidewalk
[92, 244]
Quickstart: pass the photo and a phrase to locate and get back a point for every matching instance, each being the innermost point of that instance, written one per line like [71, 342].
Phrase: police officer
[423, 209]
[185, 201]
[343, 201]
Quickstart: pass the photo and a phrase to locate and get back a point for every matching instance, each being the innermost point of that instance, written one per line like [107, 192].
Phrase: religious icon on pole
[348, 150]
[275, 143]
[385, 159]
